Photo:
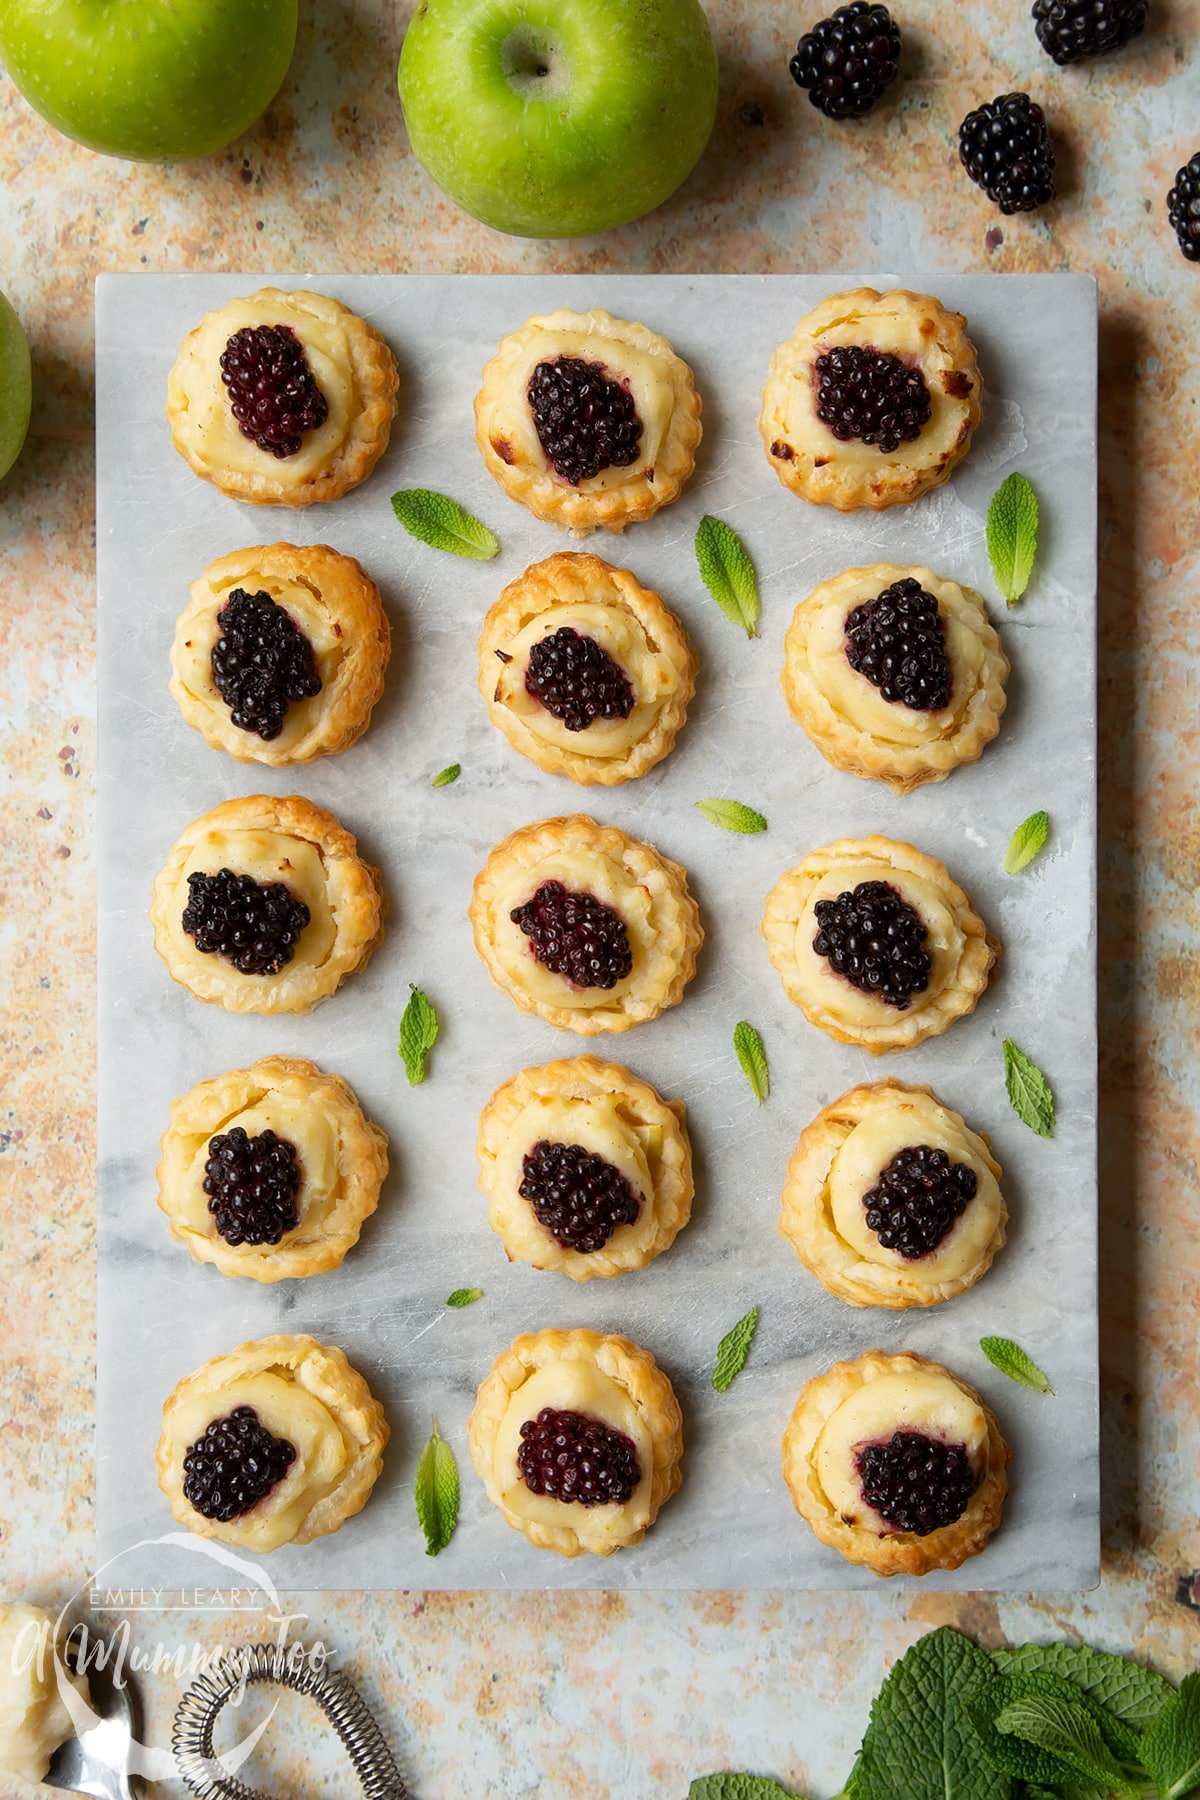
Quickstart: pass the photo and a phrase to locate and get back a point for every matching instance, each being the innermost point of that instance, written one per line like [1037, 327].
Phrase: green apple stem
[532, 66]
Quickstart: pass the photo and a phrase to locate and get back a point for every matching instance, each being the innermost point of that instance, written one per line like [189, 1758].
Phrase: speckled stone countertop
[587, 1695]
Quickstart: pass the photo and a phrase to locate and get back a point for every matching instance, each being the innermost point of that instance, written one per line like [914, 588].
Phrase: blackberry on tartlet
[1183, 208]
[847, 60]
[1005, 148]
[1073, 30]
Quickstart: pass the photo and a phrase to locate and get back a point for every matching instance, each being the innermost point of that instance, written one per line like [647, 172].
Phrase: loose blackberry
[1006, 150]
[898, 642]
[260, 662]
[584, 421]
[1070, 30]
[272, 391]
[234, 1465]
[252, 1183]
[576, 1196]
[846, 61]
[876, 940]
[576, 679]
[1183, 208]
[254, 928]
[870, 395]
[916, 1483]
[918, 1199]
[569, 1456]
[576, 935]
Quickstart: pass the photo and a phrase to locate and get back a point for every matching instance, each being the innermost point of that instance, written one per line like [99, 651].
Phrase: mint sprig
[1012, 535]
[1029, 1093]
[446, 776]
[727, 572]
[1014, 1362]
[435, 1493]
[464, 1297]
[731, 815]
[418, 1034]
[445, 525]
[1170, 1748]
[753, 1059]
[733, 1350]
[1026, 842]
[738, 1787]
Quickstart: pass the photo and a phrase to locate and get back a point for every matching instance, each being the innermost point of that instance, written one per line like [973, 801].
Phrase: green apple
[159, 80]
[556, 118]
[16, 386]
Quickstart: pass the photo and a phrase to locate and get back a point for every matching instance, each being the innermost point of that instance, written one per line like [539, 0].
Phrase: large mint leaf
[921, 1743]
[1170, 1749]
[1132, 1694]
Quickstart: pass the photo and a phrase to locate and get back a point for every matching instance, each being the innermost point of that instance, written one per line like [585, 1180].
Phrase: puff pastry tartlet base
[649, 891]
[271, 839]
[303, 1391]
[628, 621]
[334, 602]
[353, 367]
[604, 1376]
[867, 1539]
[343, 1161]
[964, 951]
[821, 468]
[822, 1199]
[581, 1100]
[663, 389]
[35, 1684]
[848, 719]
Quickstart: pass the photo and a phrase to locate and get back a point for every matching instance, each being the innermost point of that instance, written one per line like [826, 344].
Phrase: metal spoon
[97, 1761]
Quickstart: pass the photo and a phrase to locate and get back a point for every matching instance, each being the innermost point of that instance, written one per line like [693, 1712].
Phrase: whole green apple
[556, 118]
[158, 80]
[16, 386]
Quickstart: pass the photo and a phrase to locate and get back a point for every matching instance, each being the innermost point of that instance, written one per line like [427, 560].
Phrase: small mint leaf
[1064, 1727]
[1028, 1090]
[753, 1058]
[1127, 1692]
[442, 523]
[738, 1787]
[435, 1493]
[731, 815]
[728, 572]
[1012, 534]
[1026, 842]
[1170, 1748]
[1012, 1361]
[418, 1034]
[464, 1297]
[733, 1350]
[445, 776]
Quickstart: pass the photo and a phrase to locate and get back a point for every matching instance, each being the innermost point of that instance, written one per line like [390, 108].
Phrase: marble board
[732, 1526]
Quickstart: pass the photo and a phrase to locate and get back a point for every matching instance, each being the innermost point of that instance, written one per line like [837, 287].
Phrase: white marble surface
[732, 1525]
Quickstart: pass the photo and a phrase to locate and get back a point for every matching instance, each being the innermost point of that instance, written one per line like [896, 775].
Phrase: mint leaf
[727, 572]
[731, 815]
[921, 1743]
[1012, 534]
[445, 776]
[1028, 1090]
[441, 522]
[738, 1787]
[1170, 1748]
[418, 1034]
[1012, 1361]
[464, 1297]
[1026, 842]
[733, 1350]
[753, 1058]
[435, 1492]
[1064, 1727]
[1125, 1690]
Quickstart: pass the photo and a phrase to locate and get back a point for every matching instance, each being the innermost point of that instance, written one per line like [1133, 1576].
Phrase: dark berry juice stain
[898, 642]
[578, 1197]
[273, 393]
[576, 935]
[576, 680]
[585, 422]
[876, 940]
[256, 928]
[916, 1483]
[870, 395]
[569, 1456]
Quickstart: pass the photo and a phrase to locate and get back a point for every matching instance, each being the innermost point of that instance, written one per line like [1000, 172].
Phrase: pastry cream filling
[575, 1387]
[620, 633]
[192, 655]
[287, 1410]
[869, 1148]
[584, 871]
[861, 704]
[638, 370]
[917, 1401]
[841, 1000]
[599, 1125]
[266, 856]
[290, 1117]
[34, 1719]
[205, 398]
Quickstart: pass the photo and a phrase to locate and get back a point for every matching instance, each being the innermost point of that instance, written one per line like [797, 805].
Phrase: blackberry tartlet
[896, 1464]
[282, 399]
[586, 672]
[589, 421]
[578, 1439]
[872, 401]
[895, 673]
